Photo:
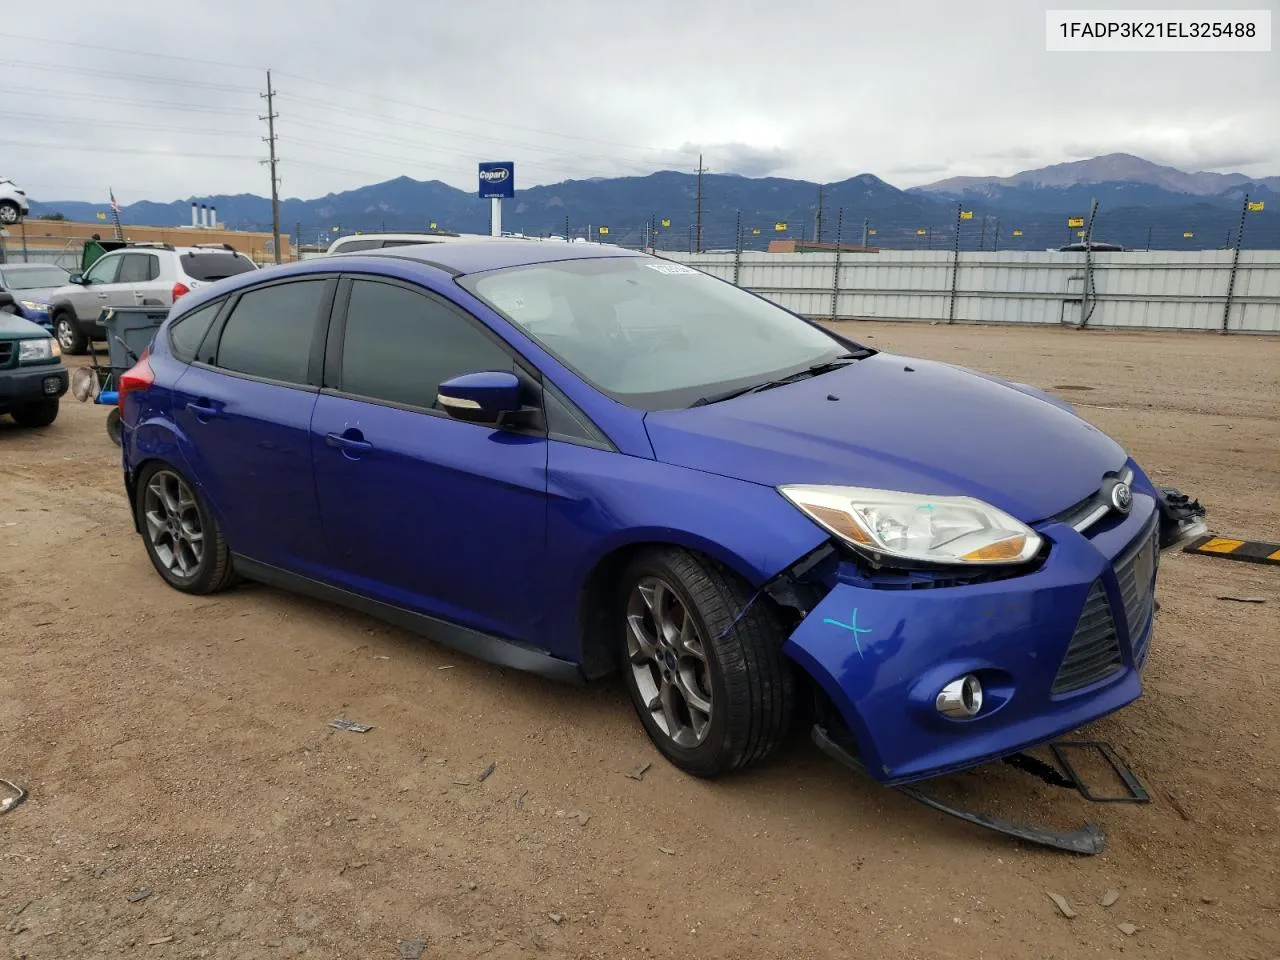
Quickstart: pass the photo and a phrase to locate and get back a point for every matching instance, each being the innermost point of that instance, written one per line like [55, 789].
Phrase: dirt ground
[180, 746]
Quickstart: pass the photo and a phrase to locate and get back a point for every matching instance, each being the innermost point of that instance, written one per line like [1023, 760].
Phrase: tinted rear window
[214, 266]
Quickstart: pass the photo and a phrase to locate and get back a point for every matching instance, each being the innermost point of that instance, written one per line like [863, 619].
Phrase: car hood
[14, 327]
[898, 423]
[36, 294]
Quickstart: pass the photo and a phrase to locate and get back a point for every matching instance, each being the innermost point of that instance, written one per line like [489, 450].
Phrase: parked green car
[32, 376]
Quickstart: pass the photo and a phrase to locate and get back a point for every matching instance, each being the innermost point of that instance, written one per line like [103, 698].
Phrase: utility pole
[297, 234]
[566, 228]
[817, 220]
[270, 139]
[995, 241]
[982, 235]
[698, 229]
[1235, 266]
[865, 225]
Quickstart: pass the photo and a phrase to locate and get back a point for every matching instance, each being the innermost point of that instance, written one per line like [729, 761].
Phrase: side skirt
[482, 646]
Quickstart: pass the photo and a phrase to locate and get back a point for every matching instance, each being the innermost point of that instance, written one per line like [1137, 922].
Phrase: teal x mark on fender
[852, 627]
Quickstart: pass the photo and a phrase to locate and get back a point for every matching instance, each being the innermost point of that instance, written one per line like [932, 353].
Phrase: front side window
[400, 345]
[652, 333]
[270, 331]
[104, 271]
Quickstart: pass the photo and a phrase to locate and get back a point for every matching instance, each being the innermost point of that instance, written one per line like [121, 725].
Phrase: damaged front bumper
[1053, 649]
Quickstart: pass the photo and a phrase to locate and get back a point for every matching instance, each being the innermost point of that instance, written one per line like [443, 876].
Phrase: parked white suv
[376, 241]
[13, 202]
[139, 275]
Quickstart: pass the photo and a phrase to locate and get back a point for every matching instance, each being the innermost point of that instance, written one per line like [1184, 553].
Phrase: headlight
[35, 306]
[32, 350]
[910, 526]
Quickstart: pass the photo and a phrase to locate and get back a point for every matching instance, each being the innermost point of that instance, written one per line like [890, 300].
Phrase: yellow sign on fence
[780, 227]
[102, 216]
[666, 221]
[603, 231]
[1017, 233]
[1188, 235]
[1075, 222]
[966, 214]
[921, 232]
[755, 231]
[1255, 206]
[871, 233]
[433, 224]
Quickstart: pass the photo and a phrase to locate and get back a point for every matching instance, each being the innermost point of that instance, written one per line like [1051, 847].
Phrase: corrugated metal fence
[1156, 290]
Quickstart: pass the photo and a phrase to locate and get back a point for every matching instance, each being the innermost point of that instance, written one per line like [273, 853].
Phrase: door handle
[351, 441]
[102, 296]
[202, 408]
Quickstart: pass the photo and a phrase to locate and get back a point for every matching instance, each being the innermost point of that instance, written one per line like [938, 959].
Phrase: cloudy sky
[818, 89]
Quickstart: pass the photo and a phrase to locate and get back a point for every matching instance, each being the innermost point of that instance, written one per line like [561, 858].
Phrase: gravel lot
[180, 746]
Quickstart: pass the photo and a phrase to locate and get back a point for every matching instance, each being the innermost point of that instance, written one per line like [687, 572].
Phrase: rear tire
[39, 413]
[113, 425]
[182, 537]
[703, 662]
[70, 339]
[10, 212]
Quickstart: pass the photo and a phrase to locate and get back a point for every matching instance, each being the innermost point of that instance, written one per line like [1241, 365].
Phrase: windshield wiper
[813, 370]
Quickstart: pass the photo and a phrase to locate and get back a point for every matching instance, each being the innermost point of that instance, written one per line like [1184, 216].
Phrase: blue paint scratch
[852, 627]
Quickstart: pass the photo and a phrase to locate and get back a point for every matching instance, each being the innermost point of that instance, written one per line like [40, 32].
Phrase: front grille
[1094, 651]
[1135, 574]
[1085, 514]
[6, 352]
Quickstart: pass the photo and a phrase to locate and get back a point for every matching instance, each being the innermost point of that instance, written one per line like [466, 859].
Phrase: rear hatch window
[214, 266]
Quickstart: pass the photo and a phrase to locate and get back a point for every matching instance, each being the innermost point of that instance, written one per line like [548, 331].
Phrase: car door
[138, 281]
[422, 511]
[244, 409]
[94, 295]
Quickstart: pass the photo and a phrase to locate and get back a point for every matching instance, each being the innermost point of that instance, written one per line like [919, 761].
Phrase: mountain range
[1140, 204]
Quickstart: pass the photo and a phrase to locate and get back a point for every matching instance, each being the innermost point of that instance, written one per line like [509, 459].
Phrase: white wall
[1158, 290]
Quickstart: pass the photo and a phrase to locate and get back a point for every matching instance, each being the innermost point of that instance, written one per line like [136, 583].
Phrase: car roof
[476, 256]
[454, 258]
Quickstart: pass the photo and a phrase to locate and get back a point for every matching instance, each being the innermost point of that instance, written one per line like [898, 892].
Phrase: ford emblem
[1121, 496]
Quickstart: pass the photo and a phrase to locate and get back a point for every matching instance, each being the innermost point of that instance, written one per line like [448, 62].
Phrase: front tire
[183, 538]
[703, 663]
[70, 339]
[38, 413]
[10, 212]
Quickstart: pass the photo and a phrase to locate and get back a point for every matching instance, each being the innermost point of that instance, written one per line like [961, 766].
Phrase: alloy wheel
[173, 524]
[669, 662]
[66, 335]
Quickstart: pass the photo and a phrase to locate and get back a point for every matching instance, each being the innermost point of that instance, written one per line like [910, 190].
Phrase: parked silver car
[140, 275]
[13, 202]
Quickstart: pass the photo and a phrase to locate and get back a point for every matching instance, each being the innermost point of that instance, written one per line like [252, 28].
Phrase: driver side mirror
[490, 396]
[77, 278]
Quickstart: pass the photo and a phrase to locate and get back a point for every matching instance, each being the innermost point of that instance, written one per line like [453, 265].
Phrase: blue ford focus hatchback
[574, 460]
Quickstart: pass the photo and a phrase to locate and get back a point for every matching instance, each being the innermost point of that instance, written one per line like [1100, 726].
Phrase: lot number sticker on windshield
[670, 268]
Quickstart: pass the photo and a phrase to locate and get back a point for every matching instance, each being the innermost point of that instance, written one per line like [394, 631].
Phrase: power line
[93, 122]
[134, 53]
[129, 150]
[85, 71]
[117, 100]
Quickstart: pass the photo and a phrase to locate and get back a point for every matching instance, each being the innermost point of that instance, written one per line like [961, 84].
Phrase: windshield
[651, 333]
[32, 278]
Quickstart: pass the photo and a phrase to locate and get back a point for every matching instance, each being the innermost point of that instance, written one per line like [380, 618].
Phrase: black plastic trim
[482, 646]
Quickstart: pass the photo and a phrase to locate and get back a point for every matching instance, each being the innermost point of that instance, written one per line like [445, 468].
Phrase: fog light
[961, 698]
[52, 385]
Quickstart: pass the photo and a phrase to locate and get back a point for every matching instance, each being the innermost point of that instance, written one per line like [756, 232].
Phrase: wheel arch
[596, 655]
